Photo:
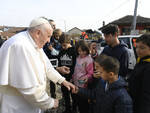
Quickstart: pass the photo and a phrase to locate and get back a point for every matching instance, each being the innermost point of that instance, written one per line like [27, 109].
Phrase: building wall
[125, 30]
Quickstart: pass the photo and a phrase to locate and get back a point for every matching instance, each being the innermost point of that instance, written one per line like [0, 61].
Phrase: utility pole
[133, 28]
[65, 25]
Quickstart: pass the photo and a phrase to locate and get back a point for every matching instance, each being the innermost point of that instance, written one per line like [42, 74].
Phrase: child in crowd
[82, 74]
[93, 84]
[54, 45]
[93, 49]
[139, 81]
[114, 97]
[67, 57]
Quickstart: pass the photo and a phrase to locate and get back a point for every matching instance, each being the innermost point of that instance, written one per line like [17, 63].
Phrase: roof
[2, 27]
[127, 20]
[10, 31]
[5, 34]
[16, 29]
[75, 28]
[89, 31]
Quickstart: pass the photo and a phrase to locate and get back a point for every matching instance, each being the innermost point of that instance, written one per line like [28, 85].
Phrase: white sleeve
[54, 52]
[52, 73]
[54, 76]
[37, 97]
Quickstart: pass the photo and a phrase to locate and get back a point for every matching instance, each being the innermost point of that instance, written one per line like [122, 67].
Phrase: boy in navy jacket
[113, 98]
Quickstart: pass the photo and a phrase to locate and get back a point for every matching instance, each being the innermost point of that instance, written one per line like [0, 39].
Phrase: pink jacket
[83, 67]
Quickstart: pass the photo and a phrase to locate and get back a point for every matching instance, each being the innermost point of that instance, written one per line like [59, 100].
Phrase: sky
[84, 14]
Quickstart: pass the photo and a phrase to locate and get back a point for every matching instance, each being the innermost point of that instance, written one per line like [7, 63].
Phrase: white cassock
[23, 71]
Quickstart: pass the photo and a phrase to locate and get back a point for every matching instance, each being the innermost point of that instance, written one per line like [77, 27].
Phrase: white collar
[32, 41]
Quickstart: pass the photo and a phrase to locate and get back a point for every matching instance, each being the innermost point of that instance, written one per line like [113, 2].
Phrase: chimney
[103, 23]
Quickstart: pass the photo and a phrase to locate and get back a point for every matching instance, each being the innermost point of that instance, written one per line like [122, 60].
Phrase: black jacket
[114, 100]
[139, 86]
[67, 58]
[48, 52]
[120, 52]
[1, 41]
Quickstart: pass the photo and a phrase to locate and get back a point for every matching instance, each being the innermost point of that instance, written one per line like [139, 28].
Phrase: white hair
[39, 23]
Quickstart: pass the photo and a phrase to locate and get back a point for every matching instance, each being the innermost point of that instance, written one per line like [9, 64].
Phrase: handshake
[74, 89]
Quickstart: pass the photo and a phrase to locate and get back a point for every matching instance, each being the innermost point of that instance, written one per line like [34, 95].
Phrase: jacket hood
[122, 44]
[120, 83]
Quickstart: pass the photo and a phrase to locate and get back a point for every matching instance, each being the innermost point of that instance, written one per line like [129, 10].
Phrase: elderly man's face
[44, 36]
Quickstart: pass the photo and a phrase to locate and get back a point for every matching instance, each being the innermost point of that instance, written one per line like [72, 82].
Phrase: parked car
[130, 40]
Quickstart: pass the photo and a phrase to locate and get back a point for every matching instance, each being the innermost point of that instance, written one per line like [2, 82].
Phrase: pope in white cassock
[24, 68]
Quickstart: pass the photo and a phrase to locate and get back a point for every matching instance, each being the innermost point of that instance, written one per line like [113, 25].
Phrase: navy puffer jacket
[114, 100]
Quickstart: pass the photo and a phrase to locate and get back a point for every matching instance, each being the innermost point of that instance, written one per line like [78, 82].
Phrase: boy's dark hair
[110, 29]
[109, 64]
[83, 45]
[64, 38]
[94, 41]
[145, 39]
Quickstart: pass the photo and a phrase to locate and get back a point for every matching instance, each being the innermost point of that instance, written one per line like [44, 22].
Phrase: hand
[76, 90]
[93, 51]
[56, 103]
[84, 78]
[63, 69]
[69, 85]
[50, 47]
[96, 74]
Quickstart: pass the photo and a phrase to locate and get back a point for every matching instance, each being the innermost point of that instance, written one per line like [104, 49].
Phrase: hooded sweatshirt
[67, 58]
[119, 52]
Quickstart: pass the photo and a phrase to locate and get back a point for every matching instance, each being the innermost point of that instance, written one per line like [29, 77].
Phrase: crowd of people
[90, 82]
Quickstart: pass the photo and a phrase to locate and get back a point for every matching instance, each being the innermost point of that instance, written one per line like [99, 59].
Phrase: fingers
[96, 74]
[76, 90]
[68, 88]
[66, 69]
[68, 85]
[56, 103]
[61, 69]
[72, 87]
[50, 47]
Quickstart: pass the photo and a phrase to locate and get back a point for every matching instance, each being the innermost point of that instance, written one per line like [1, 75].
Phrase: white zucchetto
[38, 21]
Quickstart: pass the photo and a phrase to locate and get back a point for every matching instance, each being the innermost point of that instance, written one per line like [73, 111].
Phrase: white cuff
[54, 76]
[51, 103]
[61, 80]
